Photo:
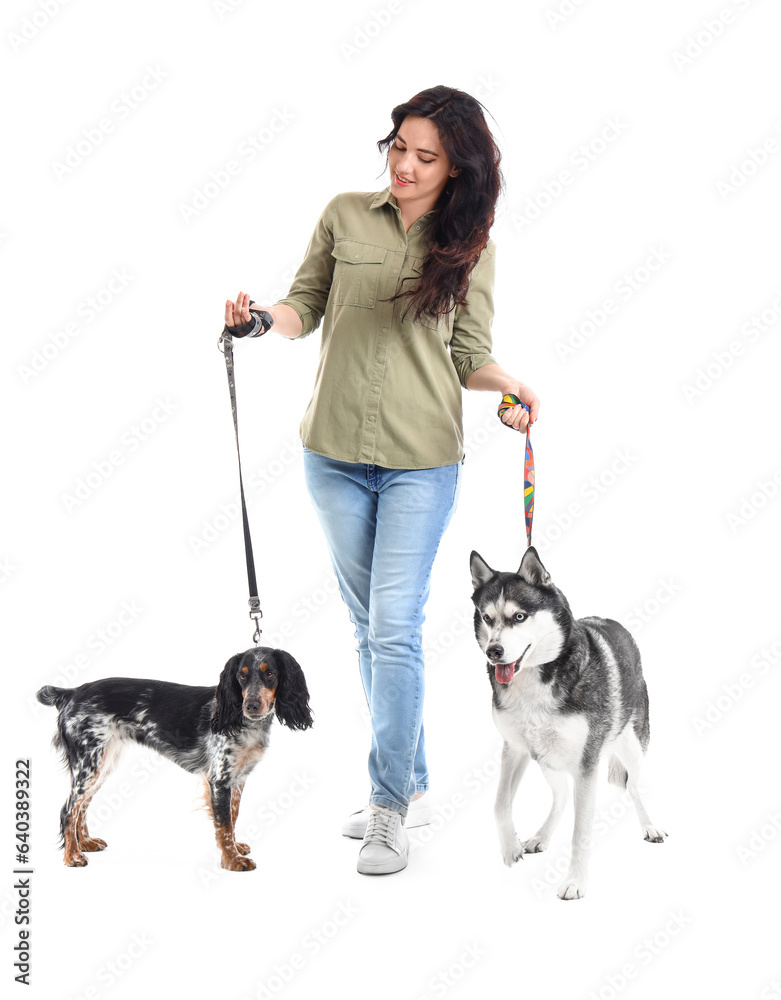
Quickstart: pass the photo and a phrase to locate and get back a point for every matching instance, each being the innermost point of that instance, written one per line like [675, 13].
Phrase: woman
[403, 282]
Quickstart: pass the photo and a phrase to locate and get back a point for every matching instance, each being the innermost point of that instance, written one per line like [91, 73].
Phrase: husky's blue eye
[487, 619]
[520, 616]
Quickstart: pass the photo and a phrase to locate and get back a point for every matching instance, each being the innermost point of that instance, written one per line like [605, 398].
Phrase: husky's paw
[572, 888]
[534, 845]
[512, 851]
[654, 835]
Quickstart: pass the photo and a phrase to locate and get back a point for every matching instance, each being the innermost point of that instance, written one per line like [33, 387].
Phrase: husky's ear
[481, 571]
[532, 570]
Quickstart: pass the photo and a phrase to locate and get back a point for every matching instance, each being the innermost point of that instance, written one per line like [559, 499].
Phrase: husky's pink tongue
[504, 672]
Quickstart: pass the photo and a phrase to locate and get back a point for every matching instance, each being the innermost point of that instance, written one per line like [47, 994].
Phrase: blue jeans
[383, 528]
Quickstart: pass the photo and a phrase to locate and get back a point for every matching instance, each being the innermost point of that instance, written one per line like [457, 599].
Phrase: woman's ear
[227, 714]
[292, 698]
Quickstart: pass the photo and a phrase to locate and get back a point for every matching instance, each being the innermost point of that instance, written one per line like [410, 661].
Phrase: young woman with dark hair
[403, 281]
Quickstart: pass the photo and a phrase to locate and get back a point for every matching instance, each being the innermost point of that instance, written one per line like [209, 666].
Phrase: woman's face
[419, 166]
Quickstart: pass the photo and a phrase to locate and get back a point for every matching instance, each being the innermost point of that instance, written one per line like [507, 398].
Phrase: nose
[252, 704]
[404, 164]
[495, 652]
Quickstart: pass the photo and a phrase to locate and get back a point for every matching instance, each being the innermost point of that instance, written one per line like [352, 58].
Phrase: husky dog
[565, 692]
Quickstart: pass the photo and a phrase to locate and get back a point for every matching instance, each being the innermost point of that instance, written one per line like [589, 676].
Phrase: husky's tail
[49, 695]
[617, 773]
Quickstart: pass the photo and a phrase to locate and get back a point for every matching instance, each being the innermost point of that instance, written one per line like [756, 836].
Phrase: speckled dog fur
[219, 733]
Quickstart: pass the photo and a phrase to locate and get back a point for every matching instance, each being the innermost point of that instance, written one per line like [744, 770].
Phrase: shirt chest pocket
[356, 273]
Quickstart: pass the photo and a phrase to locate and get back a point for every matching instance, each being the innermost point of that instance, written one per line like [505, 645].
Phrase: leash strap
[508, 401]
[261, 322]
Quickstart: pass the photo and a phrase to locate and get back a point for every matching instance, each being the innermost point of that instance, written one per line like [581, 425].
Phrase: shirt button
[417, 227]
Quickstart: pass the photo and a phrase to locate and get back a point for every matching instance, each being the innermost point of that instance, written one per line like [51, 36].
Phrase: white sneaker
[386, 845]
[419, 813]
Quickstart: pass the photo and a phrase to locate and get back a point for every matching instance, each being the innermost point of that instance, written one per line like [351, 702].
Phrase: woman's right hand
[237, 313]
[287, 322]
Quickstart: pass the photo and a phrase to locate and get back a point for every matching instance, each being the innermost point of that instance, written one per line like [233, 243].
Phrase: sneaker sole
[385, 868]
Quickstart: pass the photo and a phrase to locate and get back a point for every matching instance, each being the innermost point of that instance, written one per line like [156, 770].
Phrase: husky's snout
[503, 671]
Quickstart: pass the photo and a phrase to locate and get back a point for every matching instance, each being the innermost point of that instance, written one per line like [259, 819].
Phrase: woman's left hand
[516, 416]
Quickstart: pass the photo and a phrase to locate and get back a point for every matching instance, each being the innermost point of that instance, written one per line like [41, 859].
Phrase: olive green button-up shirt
[387, 391]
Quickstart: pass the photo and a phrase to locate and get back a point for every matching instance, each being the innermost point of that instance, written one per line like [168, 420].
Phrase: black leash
[260, 323]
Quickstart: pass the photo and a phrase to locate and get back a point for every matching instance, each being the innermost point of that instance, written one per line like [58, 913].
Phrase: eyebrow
[401, 139]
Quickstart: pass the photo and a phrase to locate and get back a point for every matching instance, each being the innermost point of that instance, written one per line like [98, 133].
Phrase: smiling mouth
[400, 180]
[506, 671]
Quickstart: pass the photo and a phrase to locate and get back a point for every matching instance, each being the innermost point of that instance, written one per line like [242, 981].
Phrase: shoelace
[379, 828]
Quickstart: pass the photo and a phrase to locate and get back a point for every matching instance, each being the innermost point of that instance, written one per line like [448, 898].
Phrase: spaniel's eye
[269, 675]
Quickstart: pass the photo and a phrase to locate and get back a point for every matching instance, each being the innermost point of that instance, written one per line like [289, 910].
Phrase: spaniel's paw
[238, 864]
[93, 844]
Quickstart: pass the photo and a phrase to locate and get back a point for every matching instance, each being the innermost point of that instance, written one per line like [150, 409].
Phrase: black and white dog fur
[565, 692]
[219, 733]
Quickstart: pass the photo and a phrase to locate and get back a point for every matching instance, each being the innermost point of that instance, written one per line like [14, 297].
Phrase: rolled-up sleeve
[308, 294]
[471, 343]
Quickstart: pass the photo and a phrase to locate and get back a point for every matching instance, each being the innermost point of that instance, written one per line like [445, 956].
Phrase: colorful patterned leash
[508, 401]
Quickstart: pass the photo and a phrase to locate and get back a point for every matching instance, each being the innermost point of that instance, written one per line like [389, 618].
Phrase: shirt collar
[386, 198]
[382, 198]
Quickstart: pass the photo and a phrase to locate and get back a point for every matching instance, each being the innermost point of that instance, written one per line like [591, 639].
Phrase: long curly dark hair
[465, 210]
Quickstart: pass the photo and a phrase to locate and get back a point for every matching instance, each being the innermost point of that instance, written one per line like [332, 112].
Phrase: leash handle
[508, 401]
[260, 324]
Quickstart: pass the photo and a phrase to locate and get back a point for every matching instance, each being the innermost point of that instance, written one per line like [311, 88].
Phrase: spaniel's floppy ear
[292, 698]
[228, 714]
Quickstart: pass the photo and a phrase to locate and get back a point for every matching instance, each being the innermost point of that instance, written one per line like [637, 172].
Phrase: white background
[656, 505]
